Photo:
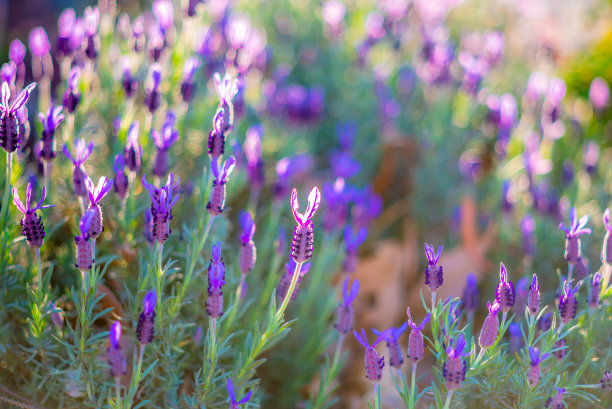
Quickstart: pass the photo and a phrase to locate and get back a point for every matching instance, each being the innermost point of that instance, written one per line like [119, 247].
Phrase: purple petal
[230, 390]
[246, 398]
[149, 302]
[17, 201]
[23, 97]
[115, 334]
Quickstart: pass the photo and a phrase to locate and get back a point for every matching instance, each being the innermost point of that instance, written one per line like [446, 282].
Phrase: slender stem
[413, 386]
[605, 279]
[141, 356]
[294, 279]
[570, 270]
[433, 300]
[158, 282]
[448, 399]
[377, 395]
[118, 389]
[5, 200]
[40, 277]
[479, 357]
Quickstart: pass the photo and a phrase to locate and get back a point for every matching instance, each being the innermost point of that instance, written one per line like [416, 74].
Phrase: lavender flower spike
[164, 139]
[32, 226]
[593, 299]
[188, 84]
[285, 282]
[121, 182]
[470, 295]
[606, 252]
[533, 376]
[82, 152]
[415, 340]
[556, 402]
[84, 255]
[97, 193]
[248, 251]
[345, 313]
[9, 123]
[606, 381]
[216, 137]
[132, 152]
[227, 88]
[230, 390]
[504, 294]
[161, 207]
[72, 95]
[116, 357]
[455, 367]
[568, 305]
[216, 280]
[433, 273]
[216, 203]
[50, 123]
[533, 298]
[303, 234]
[490, 327]
[374, 363]
[352, 241]
[395, 351]
[145, 330]
[153, 96]
[572, 236]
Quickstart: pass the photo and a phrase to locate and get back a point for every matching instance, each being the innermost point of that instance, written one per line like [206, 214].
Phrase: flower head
[39, 42]
[32, 226]
[455, 367]
[116, 357]
[434, 275]
[82, 152]
[248, 227]
[533, 376]
[471, 294]
[374, 363]
[415, 341]
[145, 330]
[53, 118]
[72, 95]
[162, 201]
[227, 88]
[345, 314]
[132, 152]
[505, 295]
[303, 235]
[595, 289]
[533, 297]
[230, 390]
[121, 182]
[599, 94]
[490, 326]
[9, 120]
[568, 305]
[572, 236]
[17, 51]
[164, 13]
[391, 337]
[97, 193]
[168, 134]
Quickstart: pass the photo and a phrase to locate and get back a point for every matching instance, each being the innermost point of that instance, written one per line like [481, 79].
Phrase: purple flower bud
[50, 122]
[39, 42]
[521, 294]
[552, 124]
[533, 376]
[84, 255]
[490, 327]
[556, 402]
[17, 52]
[374, 363]
[545, 322]
[416, 345]
[533, 298]
[130, 84]
[164, 13]
[145, 330]
[133, 150]
[434, 276]
[572, 236]
[32, 226]
[345, 313]
[8, 73]
[161, 207]
[153, 96]
[65, 27]
[216, 203]
[9, 122]
[337, 197]
[116, 357]
[568, 305]
[559, 349]
[527, 230]
[352, 241]
[227, 88]
[248, 252]
[188, 84]
[230, 390]
[285, 281]
[582, 267]
[253, 151]
[455, 367]
[590, 156]
[516, 336]
[391, 336]
[138, 34]
[606, 381]
[595, 289]
[57, 317]
[72, 95]
[197, 336]
[77, 35]
[216, 280]
[97, 193]
[303, 234]
[471, 294]
[599, 94]
[120, 182]
[504, 295]
[164, 139]
[216, 137]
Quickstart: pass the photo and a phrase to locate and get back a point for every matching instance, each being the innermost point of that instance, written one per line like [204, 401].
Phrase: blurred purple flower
[254, 152]
[590, 156]
[164, 13]
[39, 42]
[599, 94]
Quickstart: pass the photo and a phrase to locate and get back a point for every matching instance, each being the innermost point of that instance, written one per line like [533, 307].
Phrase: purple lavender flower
[65, 27]
[556, 402]
[493, 47]
[39, 42]
[568, 305]
[471, 295]
[9, 122]
[533, 298]
[145, 330]
[84, 255]
[606, 381]
[91, 18]
[164, 139]
[120, 182]
[161, 207]
[227, 88]
[50, 123]
[527, 230]
[32, 226]
[57, 318]
[153, 96]
[303, 234]
[230, 391]
[352, 241]
[216, 137]
[253, 151]
[138, 34]
[560, 349]
[216, 280]
[192, 6]
[533, 376]
[582, 267]
[395, 351]
[345, 313]
[72, 95]
[475, 68]
[572, 236]
[516, 336]
[17, 52]
[77, 36]
[490, 327]
[164, 13]
[8, 73]
[455, 367]
[599, 94]
[521, 294]
[590, 156]
[248, 251]
[133, 150]
[415, 340]
[434, 276]
[216, 203]
[333, 16]
[285, 281]
[374, 363]
[545, 322]
[97, 193]
[504, 294]
[188, 84]
[552, 124]
[130, 84]
[82, 152]
[594, 290]
[116, 357]
[337, 197]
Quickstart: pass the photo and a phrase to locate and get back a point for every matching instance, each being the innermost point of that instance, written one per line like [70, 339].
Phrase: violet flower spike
[594, 290]
[345, 314]
[57, 318]
[216, 137]
[533, 298]
[120, 182]
[132, 152]
[572, 236]
[72, 95]
[606, 252]
[285, 282]
[188, 84]
[145, 330]
[216, 203]
[32, 226]
[227, 88]
[434, 275]
[153, 96]
[91, 18]
[395, 351]
[82, 152]
[50, 122]
[9, 122]
[39, 42]
[216, 280]
[490, 327]
[556, 401]
[84, 254]
[116, 357]
[253, 151]
[164, 139]
[374, 363]
[17, 52]
[568, 305]
[97, 193]
[303, 234]
[505, 295]
[533, 376]
[455, 367]
[415, 340]
[230, 390]
[161, 207]
[471, 295]
[248, 251]
[352, 241]
[606, 381]
[164, 13]
[516, 336]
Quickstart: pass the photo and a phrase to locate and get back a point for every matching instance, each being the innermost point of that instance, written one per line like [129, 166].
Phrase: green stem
[5, 201]
[211, 356]
[294, 279]
[433, 300]
[158, 281]
[118, 390]
[39, 289]
[448, 399]
[413, 386]
[377, 396]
